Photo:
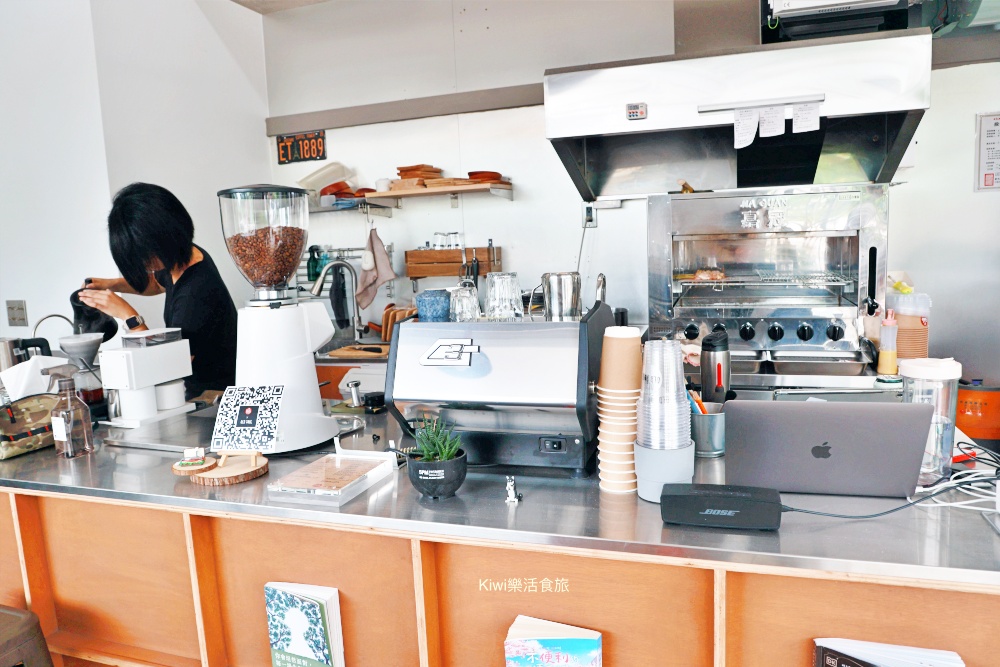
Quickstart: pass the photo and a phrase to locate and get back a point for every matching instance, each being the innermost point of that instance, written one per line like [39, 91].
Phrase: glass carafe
[71, 427]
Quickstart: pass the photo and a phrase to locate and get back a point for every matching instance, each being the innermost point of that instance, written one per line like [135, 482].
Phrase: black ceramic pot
[437, 479]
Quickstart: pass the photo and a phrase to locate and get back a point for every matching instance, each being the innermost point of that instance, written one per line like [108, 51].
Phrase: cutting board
[358, 351]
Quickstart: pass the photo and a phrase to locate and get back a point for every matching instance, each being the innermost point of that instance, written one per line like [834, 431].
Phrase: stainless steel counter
[925, 543]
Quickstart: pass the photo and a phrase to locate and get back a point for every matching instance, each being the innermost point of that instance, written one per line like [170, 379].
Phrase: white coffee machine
[266, 229]
[143, 379]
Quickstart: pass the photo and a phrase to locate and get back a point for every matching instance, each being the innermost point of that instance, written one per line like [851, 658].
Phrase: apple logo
[821, 451]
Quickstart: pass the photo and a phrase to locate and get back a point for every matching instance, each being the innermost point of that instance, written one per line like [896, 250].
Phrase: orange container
[978, 414]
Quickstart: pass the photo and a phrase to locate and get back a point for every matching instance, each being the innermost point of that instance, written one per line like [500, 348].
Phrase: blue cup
[433, 305]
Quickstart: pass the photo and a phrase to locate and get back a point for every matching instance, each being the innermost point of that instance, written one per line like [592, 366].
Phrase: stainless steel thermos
[715, 367]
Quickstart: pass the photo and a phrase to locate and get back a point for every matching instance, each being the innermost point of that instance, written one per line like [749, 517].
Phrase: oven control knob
[805, 332]
[719, 326]
[835, 332]
[691, 331]
[747, 332]
[776, 331]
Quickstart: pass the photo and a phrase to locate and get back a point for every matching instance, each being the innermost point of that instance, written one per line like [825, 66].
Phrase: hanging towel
[371, 279]
[338, 298]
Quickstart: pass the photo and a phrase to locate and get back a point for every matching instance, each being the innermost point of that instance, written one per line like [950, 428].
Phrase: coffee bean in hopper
[269, 256]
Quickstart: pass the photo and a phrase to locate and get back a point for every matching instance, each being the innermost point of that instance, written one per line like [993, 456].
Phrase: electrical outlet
[17, 313]
[589, 216]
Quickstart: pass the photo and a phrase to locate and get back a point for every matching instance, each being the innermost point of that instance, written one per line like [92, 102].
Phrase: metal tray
[746, 361]
[820, 363]
[740, 361]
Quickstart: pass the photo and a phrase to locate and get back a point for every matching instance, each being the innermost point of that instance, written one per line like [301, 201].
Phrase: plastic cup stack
[664, 453]
[618, 388]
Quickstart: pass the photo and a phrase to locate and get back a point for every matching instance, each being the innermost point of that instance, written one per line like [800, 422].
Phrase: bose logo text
[449, 352]
[711, 512]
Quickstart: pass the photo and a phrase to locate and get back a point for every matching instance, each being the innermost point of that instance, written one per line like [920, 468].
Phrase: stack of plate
[618, 389]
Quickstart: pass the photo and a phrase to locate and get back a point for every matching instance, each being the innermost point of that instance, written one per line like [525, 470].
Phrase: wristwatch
[134, 322]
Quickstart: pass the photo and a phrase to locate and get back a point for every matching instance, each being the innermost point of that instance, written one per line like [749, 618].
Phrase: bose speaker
[721, 506]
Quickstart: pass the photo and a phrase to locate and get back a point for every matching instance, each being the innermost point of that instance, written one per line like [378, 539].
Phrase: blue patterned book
[532, 642]
[303, 624]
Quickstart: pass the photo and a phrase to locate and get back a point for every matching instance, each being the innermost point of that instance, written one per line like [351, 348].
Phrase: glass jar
[935, 382]
[71, 427]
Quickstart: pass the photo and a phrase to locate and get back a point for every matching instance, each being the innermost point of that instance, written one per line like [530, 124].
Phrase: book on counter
[303, 625]
[333, 479]
[534, 641]
[832, 652]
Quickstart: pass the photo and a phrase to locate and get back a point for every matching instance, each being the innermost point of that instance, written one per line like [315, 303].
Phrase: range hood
[872, 91]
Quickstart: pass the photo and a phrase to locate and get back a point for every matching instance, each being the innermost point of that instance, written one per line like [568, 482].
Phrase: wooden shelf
[362, 205]
[109, 653]
[505, 190]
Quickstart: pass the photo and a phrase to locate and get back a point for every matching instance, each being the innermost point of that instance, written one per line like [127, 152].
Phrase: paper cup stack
[618, 390]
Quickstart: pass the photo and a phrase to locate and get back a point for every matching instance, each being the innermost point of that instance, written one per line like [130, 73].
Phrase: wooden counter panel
[773, 620]
[648, 614]
[120, 574]
[374, 575]
[11, 584]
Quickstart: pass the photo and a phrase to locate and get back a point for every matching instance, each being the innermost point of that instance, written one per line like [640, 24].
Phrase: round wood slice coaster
[236, 470]
[210, 462]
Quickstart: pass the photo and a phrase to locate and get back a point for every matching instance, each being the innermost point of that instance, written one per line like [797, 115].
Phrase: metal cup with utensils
[561, 293]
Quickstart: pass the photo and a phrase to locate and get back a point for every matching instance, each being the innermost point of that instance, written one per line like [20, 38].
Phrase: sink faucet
[317, 289]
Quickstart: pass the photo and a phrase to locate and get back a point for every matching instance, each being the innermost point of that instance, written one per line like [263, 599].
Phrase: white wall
[351, 52]
[184, 100]
[405, 49]
[53, 179]
[945, 235]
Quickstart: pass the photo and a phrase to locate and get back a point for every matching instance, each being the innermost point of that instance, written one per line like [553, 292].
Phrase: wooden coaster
[236, 470]
[186, 471]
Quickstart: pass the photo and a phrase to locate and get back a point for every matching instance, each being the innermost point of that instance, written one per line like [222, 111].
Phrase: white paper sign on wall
[988, 152]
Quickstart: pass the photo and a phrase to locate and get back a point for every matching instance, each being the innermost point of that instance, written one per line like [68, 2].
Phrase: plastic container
[71, 427]
[887, 345]
[935, 382]
[913, 312]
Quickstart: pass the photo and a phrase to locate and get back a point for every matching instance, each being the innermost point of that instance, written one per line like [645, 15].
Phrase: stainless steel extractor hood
[872, 91]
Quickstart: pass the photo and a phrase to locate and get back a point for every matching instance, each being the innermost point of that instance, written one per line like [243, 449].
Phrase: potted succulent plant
[438, 465]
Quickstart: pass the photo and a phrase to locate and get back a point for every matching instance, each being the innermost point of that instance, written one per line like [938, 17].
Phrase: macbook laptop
[854, 449]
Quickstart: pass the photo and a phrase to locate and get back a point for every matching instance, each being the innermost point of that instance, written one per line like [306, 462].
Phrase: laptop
[852, 449]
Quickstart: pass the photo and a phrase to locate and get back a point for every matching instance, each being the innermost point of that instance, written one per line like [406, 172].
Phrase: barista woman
[152, 242]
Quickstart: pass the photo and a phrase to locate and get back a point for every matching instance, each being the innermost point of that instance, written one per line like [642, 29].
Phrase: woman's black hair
[147, 222]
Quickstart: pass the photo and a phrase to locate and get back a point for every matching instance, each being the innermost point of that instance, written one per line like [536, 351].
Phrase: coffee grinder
[266, 229]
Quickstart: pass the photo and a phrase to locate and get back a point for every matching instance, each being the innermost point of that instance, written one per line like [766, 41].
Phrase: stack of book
[303, 625]
[832, 652]
[533, 641]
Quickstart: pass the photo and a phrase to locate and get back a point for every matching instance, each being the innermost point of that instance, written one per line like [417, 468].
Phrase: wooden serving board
[355, 352]
[237, 469]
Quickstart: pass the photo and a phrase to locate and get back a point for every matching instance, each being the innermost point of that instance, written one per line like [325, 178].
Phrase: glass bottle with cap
[934, 381]
[71, 427]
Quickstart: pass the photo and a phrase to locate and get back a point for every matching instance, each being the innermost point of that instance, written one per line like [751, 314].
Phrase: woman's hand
[107, 302]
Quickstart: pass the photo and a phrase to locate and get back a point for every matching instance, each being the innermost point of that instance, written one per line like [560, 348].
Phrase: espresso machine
[266, 229]
[520, 394]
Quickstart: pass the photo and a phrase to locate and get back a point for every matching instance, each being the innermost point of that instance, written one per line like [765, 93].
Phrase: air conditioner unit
[792, 8]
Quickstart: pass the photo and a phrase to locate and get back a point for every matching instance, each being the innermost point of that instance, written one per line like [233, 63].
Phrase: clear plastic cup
[935, 382]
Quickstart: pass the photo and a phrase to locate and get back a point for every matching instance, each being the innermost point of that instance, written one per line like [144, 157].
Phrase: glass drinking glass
[440, 241]
[465, 302]
[503, 298]
[454, 240]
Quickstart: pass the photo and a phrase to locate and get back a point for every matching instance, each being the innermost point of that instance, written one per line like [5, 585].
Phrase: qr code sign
[248, 418]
